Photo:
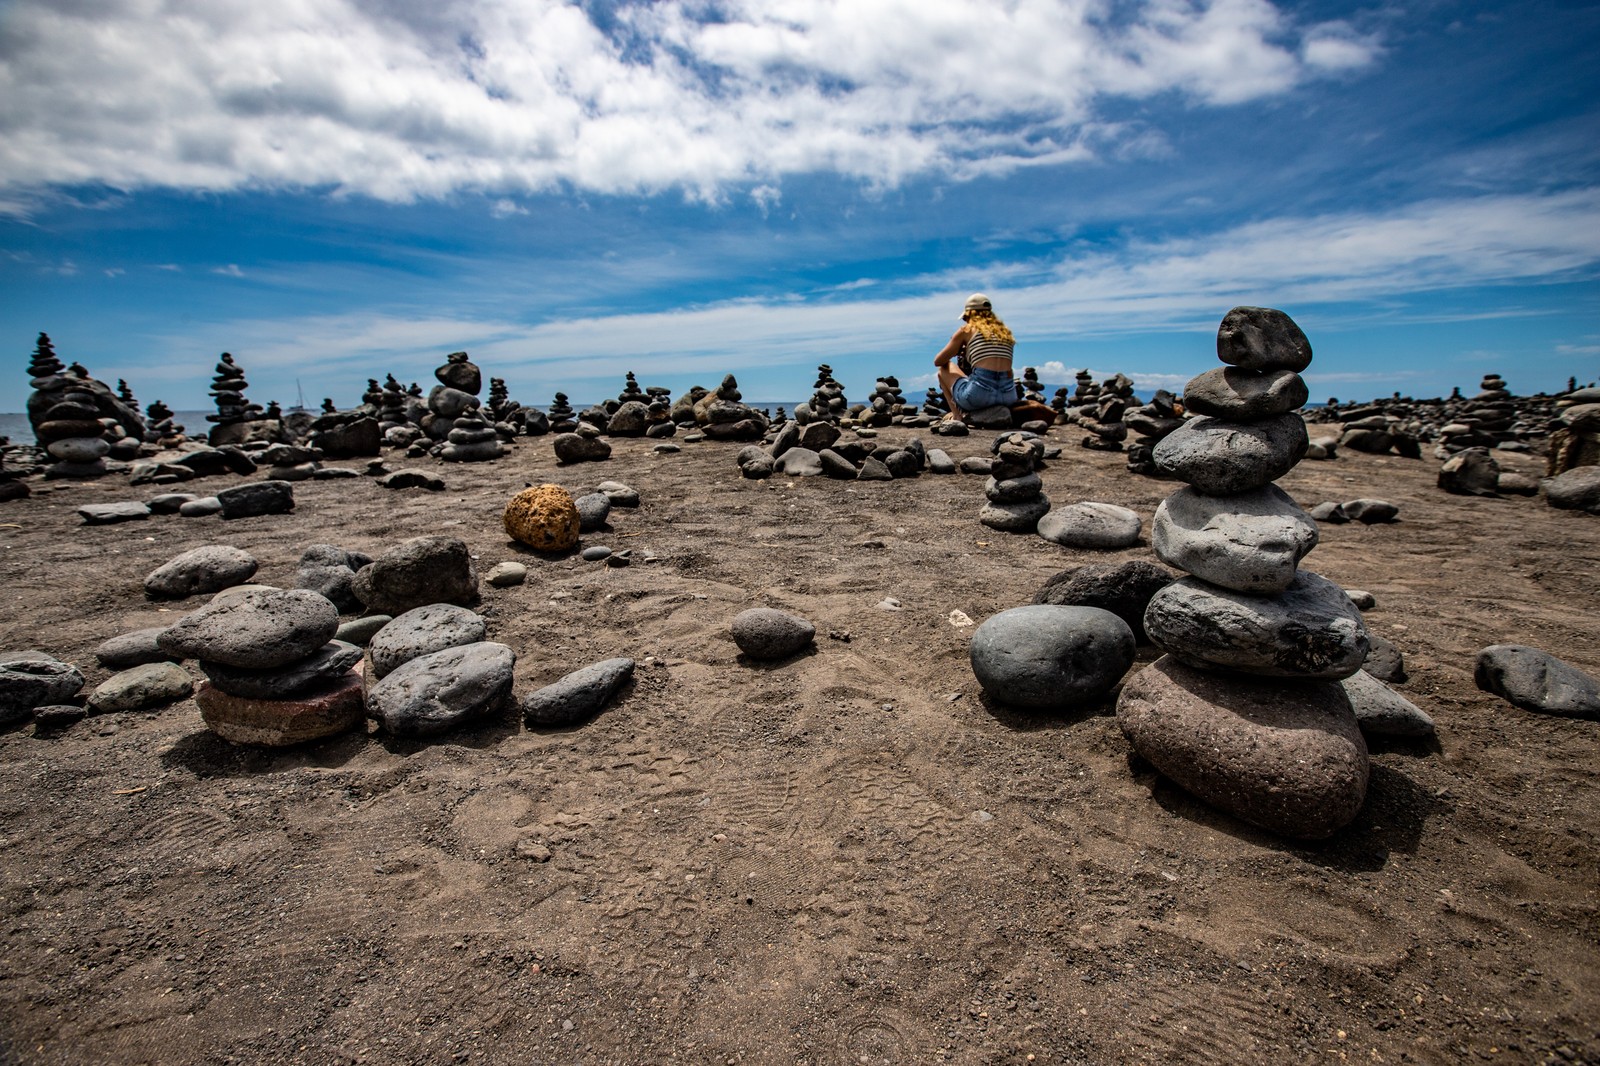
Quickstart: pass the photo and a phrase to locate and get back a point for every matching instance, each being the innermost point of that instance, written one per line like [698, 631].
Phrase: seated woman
[975, 367]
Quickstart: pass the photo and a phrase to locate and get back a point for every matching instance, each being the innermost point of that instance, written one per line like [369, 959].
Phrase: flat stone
[257, 629]
[56, 718]
[207, 569]
[766, 633]
[418, 572]
[1575, 490]
[506, 575]
[412, 479]
[1310, 630]
[34, 679]
[421, 632]
[79, 449]
[1370, 512]
[321, 667]
[1364, 600]
[141, 688]
[1536, 681]
[836, 466]
[874, 469]
[440, 691]
[335, 707]
[619, 494]
[1238, 395]
[1287, 756]
[133, 649]
[1226, 458]
[1262, 338]
[205, 505]
[545, 518]
[1049, 658]
[169, 502]
[995, 417]
[1329, 512]
[939, 462]
[976, 464]
[108, 514]
[799, 462]
[577, 448]
[578, 696]
[360, 631]
[1381, 711]
[257, 498]
[1091, 526]
[1124, 590]
[1251, 542]
[1014, 490]
[594, 553]
[1020, 517]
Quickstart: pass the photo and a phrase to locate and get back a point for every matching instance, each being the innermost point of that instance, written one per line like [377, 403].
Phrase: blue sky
[337, 189]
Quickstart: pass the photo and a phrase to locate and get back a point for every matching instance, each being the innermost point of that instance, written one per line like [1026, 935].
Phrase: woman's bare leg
[948, 376]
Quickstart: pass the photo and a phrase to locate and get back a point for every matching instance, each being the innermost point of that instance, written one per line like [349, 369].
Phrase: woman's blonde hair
[985, 322]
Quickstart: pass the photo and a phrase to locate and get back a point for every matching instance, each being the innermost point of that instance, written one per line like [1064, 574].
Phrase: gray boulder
[1470, 472]
[331, 571]
[1311, 630]
[1014, 489]
[1226, 458]
[200, 570]
[1536, 681]
[142, 688]
[32, 679]
[327, 664]
[418, 572]
[1576, 490]
[766, 633]
[133, 649]
[1370, 512]
[423, 631]
[580, 448]
[1251, 542]
[1284, 755]
[437, 692]
[1090, 525]
[1051, 658]
[939, 462]
[578, 696]
[1262, 338]
[1384, 661]
[593, 510]
[256, 629]
[1123, 590]
[256, 498]
[1019, 517]
[800, 461]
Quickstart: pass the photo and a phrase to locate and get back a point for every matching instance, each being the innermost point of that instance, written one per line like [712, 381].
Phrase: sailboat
[299, 407]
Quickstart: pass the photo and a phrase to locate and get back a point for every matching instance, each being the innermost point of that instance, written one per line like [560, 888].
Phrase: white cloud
[400, 101]
[506, 208]
[230, 271]
[114, 272]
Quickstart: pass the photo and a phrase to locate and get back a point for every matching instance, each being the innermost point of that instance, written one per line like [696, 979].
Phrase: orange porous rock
[543, 517]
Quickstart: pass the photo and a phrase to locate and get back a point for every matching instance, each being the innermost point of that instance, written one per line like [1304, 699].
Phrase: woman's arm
[958, 341]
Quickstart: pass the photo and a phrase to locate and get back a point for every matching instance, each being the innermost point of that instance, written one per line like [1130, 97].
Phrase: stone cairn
[1016, 494]
[1245, 709]
[1151, 423]
[392, 411]
[1575, 438]
[1085, 392]
[373, 396]
[159, 427]
[629, 414]
[933, 404]
[658, 413]
[723, 414]
[816, 449]
[1031, 389]
[827, 404]
[77, 419]
[233, 410]
[471, 439]
[1059, 404]
[459, 384]
[887, 406]
[563, 419]
[1102, 414]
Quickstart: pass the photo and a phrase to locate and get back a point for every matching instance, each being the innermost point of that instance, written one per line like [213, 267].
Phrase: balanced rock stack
[233, 411]
[933, 404]
[459, 384]
[1102, 415]
[629, 414]
[1151, 423]
[392, 408]
[471, 439]
[1086, 392]
[1016, 493]
[159, 427]
[827, 404]
[1059, 404]
[658, 414]
[887, 404]
[275, 674]
[1031, 389]
[74, 417]
[722, 416]
[1245, 710]
[563, 419]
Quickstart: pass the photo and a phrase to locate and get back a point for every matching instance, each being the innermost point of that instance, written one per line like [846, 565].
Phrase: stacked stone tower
[1245, 710]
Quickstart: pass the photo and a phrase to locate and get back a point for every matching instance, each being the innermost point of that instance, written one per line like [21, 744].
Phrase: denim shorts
[975, 392]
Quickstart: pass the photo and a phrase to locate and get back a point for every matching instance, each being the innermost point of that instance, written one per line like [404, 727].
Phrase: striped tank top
[980, 350]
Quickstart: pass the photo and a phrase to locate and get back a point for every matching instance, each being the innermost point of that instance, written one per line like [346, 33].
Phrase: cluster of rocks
[76, 419]
[1100, 411]
[237, 420]
[816, 449]
[1016, 500]
[1245, 709]
[250, 500]
[827, 403]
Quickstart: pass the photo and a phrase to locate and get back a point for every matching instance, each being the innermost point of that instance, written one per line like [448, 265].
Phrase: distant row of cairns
[85, 429]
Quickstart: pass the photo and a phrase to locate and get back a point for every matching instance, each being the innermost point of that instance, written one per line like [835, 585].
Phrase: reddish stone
[323, 712]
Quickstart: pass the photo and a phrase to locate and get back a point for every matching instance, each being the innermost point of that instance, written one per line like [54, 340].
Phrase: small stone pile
[1085, 392]
[392, 411]
[233, 410]
[563, 419]
[76, 419]
[1102, 414]
[160, 426]
[827, 403]
[471, 439]
[457, 391]
[1015, 491]
[1575, 438]
[275, 674]
[887, 405]
[722, 415]
[815, 449]
[1245, 709]
[934, 405]
[1151, 423]
[1059, 404]
[1031, 389]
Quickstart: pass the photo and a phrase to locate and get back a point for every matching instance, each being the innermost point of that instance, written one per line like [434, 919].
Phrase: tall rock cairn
[227, 392]
[1245, 710]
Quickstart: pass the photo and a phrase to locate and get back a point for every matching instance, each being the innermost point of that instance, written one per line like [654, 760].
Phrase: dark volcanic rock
[578, 696]
[1044, 657]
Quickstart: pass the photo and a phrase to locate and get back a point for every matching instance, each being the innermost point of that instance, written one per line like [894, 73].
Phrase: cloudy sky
[336, 189]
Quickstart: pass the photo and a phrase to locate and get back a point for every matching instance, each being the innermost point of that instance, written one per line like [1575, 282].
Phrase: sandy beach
[850, 856]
